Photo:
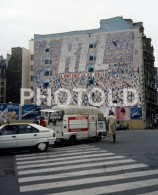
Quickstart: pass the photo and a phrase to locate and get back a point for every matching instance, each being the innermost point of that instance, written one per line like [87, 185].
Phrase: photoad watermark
[28, 94]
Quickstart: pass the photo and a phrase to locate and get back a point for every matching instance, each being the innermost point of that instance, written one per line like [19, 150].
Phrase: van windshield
[55, 116]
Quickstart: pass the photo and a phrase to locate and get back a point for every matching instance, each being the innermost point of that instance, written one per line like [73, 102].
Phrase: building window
[32, 57]
[47, 72]
[2, 99]
[90, 68]
[31, 67]
[2, 81]
[2, 90]
[46, 83]
[91, 57]
[47, 49]
[90, 81]
[47, 60]
[2, 71]
[31, 78]
[91, 45]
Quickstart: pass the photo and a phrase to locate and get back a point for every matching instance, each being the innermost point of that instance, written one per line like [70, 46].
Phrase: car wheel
[72, 140]
[41, 147]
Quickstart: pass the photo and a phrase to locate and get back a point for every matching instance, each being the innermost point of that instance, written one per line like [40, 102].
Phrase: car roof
[39, 127]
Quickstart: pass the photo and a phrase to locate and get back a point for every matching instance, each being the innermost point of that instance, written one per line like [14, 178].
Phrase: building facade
[3, 66]
[96, 67]
[18, 72]
[156, 78]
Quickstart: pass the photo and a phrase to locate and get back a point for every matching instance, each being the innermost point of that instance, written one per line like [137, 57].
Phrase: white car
[26, 135]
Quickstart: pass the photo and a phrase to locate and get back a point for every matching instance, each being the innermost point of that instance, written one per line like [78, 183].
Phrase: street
[130, 166]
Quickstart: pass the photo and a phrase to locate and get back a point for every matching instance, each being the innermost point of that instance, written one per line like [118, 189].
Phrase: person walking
[43, 122]
[36, 121]
[111, 123]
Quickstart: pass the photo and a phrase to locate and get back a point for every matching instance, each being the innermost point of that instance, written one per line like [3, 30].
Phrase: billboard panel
[122, 113]
[9, 112]
[105, 110]
[30, 112]
[136, 113]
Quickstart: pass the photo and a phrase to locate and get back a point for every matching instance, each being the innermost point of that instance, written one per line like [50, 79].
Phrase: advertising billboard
[105, 110]
[136, 113]
[30, 112]
[122, 113]
[9, 112]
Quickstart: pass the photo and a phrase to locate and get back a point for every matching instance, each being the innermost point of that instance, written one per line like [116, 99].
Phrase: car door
[8, 136]
[27, 135]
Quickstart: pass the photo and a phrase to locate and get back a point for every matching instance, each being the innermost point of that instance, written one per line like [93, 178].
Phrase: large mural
[88, 66]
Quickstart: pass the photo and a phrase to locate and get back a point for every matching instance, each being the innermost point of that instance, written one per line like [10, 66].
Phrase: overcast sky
[21, 19]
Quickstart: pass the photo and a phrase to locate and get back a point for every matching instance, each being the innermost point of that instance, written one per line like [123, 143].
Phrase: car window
[9, 130]
[22, 129]
[34, 130]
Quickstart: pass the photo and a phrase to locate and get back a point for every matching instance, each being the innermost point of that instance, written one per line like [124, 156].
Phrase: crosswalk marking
[31, 156]
[72, 162]
[87, 165]
[82, 170]
[63, 149]
[149, 193]
[89, 180]
[60, 154]
[112, 188]
[46, 159]
[61, 175]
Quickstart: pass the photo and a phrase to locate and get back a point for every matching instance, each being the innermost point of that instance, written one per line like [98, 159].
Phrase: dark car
[121, 127]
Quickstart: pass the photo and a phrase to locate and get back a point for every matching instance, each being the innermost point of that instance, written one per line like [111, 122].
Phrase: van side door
[92, 132]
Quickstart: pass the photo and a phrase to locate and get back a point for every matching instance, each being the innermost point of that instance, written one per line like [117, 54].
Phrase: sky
[21, 19]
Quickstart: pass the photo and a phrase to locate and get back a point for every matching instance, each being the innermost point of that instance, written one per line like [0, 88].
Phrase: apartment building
[18, 74]
[3, 65]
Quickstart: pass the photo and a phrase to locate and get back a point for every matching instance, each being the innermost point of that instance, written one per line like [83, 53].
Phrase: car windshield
[1, 127]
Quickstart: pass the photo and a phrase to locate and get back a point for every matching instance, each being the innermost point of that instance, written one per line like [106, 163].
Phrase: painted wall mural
[102, 61]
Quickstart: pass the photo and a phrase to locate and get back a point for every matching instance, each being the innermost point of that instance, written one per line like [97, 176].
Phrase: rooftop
[106, 25]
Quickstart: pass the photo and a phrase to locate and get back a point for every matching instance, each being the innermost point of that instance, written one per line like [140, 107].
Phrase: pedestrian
[43, 122]
[127, 125]
[111, 122]
[105, 123]
[36, 121]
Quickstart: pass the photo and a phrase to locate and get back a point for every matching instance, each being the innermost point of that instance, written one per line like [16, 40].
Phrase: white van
[76, 122]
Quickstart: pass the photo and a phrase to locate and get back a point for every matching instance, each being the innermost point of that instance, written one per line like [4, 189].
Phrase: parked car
[121, 127]
[26, 135]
